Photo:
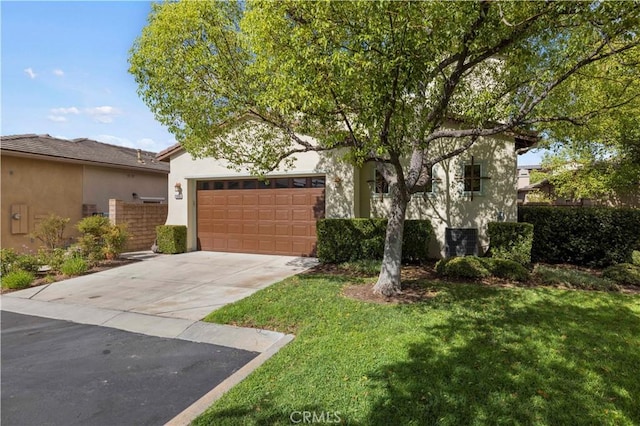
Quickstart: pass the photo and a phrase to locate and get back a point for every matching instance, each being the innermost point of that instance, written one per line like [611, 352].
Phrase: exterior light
[178, 191]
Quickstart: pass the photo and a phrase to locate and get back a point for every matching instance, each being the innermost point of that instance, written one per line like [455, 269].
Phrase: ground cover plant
[460, 353]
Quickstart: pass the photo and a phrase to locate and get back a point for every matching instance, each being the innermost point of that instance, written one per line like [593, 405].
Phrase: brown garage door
[249, 216]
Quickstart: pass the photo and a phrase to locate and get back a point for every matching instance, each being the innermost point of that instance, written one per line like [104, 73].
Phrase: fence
[141, 221]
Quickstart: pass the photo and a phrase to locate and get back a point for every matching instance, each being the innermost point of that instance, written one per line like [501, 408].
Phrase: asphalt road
[62, 373]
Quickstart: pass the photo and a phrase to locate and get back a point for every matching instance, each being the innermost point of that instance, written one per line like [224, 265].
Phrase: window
[381, 186]
[428, 187]
[277, 183]
[472, 180]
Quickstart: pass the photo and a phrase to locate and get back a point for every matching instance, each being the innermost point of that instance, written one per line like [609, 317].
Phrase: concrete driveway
[163, 297]
[187, 286]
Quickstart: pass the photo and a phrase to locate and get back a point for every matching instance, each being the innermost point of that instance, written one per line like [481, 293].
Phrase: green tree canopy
[382, 80]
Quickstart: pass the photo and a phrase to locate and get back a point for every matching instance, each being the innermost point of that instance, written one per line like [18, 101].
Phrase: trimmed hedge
[587, 236]
[172, 239]
[511, 241]
[347, 240]
[468, 267]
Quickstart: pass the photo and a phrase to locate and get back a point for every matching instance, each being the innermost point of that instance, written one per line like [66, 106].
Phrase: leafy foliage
[571, 278]
[17, 279]
[511, 241]
[582, 236]
[100, 239]
[51, 231]
[172, 239]
[467, 267]
[623, 273]
[348, 240]
[506, 268]
[384, 81]
[8, 257]
[74, 265]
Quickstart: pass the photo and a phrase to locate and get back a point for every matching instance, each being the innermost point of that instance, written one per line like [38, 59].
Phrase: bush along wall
[588, 236]
[172, 239]
[511, 241]
[345, 240]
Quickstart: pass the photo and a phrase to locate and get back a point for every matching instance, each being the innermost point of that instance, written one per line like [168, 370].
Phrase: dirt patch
[411, 293]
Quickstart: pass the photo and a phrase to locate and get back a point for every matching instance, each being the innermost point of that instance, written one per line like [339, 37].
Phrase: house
[227, 210]
[75, 178]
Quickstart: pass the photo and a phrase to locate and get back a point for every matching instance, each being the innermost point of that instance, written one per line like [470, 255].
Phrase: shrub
[511, 241]
[590, 236]
[74, 266]
[635, 257]
[348, 240]
[17, 279]
[53, 258]
[623, 273]
[27, 262]
[571, 278]
[51, 231]
[172, 239]
[100, 239]
[8, 259]
[469, 267]
[505, 268]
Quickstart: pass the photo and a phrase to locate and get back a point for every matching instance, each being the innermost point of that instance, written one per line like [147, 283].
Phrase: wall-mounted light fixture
[178, 191]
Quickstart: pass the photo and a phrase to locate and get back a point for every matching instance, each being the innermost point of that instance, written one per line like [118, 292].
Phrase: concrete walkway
[167, 296]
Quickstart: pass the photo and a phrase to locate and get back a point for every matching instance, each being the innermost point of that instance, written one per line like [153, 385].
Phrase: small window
[299, 182]
[317, 182]
[264, 184]
[219, 184]
[472, 178]
[249, 184]
[233, 184]
[381, 186]
[282, 183]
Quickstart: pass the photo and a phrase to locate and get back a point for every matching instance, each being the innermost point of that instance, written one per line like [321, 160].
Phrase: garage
[277, 216]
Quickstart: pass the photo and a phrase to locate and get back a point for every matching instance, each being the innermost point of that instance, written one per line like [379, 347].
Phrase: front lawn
[467, 354]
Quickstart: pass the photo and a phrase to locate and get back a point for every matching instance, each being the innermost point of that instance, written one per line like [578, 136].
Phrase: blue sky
[64, 73]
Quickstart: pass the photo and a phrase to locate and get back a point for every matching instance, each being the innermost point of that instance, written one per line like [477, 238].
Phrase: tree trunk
[389, 279]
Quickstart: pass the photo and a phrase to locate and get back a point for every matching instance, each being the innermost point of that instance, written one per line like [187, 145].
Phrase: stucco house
[228, 210]
[75, 178]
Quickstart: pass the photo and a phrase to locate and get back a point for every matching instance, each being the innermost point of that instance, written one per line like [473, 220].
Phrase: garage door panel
[269, 221]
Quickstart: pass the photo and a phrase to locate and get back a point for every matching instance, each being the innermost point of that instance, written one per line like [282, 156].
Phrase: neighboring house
[76, 178]
[225, 210]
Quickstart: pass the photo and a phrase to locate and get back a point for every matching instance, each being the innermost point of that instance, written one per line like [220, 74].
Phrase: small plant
[8, 258]
[17, 279]
[635, 257]
[27, 262]
[52, 258]
[172, 239]
[365, 266]
[100, 239]
[507, 269]
[623, 273]
[74, 266]
[469, 267]
[572, 278]
[51, 231]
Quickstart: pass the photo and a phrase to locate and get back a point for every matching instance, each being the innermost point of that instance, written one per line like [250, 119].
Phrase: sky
[64, 73]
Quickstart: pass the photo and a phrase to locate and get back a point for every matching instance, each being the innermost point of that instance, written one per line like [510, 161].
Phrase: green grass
[472, 355]
[17, 280]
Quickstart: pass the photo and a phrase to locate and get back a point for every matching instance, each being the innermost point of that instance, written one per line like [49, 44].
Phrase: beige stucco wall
[44, 187]
[101, 184]
[349, 195]
[339, 191]
[448, 206]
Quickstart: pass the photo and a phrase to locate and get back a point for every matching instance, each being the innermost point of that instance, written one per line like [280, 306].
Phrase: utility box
[461, 241]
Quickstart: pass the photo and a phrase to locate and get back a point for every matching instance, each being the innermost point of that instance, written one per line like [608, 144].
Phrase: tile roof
[82, 150]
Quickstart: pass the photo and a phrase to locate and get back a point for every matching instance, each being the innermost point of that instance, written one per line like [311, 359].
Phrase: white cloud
[57, 118]
[103, 114]
[58, 72]
[70, 110]
[115, 140]
[30, 73]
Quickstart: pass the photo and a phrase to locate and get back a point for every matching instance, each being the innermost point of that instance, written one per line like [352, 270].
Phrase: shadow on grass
[561, 359]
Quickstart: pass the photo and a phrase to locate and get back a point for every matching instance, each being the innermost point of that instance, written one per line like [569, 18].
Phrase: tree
[385, 81]
[598, 154]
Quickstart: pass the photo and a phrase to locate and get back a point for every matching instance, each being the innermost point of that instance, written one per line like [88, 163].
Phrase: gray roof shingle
[82, 150]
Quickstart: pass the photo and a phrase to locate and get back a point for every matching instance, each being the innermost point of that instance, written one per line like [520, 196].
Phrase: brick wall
[141, 220]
